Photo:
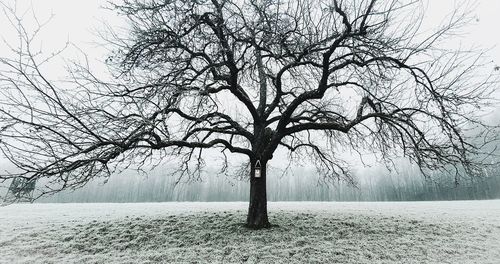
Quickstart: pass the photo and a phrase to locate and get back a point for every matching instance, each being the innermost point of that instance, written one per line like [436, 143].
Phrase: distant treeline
[303, 185]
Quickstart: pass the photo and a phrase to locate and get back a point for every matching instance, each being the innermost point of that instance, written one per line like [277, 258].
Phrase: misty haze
[249, 131]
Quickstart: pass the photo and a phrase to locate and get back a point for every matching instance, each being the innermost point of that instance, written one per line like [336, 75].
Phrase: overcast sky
[77, 21]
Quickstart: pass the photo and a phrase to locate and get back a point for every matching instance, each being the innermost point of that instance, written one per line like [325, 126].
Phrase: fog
[374, 184]
[75, 21]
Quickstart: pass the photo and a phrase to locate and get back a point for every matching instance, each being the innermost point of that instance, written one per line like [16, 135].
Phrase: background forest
[374, 184]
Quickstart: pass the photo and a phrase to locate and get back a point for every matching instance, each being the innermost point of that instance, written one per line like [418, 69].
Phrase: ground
[307, 232]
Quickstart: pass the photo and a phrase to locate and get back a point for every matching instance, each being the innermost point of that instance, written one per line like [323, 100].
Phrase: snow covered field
[308, 232]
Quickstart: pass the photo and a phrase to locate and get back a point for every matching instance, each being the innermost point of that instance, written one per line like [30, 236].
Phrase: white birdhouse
[257, 169]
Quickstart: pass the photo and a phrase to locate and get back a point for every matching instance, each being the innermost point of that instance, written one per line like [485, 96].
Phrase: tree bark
[257, 210]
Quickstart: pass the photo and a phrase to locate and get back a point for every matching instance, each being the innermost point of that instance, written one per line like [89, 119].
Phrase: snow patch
[425, 232]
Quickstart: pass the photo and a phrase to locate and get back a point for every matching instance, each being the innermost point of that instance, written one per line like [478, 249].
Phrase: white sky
[76, 20]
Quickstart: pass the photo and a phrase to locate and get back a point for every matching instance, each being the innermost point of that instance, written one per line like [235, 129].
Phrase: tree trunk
[257, 210]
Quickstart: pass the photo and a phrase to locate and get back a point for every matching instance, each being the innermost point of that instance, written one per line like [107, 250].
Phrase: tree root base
[262, 226]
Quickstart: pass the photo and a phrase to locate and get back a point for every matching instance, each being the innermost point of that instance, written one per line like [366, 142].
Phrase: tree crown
[248, 77]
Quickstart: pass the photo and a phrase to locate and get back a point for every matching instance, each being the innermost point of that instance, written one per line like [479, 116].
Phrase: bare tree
[248, 77]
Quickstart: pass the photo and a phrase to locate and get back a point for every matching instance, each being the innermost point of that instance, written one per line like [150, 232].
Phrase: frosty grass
[308, 232]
